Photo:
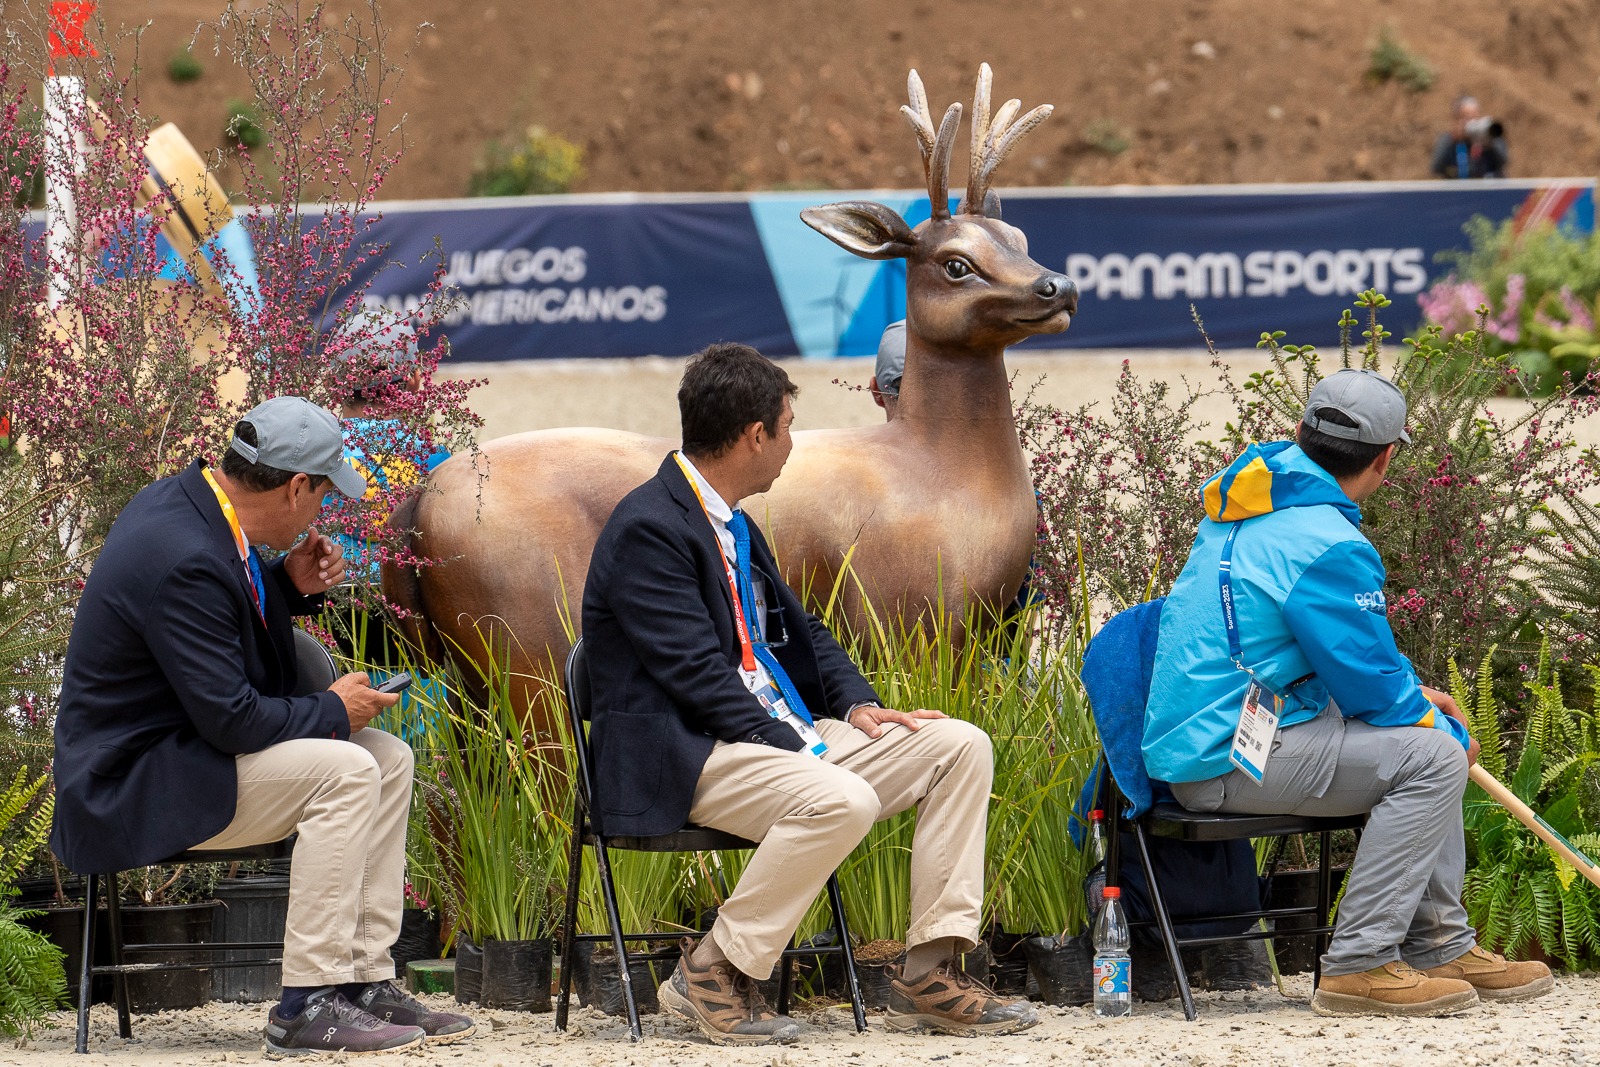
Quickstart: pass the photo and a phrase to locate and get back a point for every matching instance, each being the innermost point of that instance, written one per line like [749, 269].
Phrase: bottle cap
[1111, 892]
[1096, 814]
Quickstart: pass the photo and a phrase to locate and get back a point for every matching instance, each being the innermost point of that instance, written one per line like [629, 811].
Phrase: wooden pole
[1527, 817]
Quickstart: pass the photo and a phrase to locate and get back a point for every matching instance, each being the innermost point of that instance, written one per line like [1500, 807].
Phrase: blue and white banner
[625, 275]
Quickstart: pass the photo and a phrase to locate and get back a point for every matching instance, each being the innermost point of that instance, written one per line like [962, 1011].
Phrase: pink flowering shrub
[135, 374]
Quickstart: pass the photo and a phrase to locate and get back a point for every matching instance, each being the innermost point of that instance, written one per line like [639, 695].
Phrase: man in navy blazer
[177, 729]
[719, 701]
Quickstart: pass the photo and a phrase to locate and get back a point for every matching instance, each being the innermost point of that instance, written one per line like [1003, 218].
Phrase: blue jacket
[1313, 625]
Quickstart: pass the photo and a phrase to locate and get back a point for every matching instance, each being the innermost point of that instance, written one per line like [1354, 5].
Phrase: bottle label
[1113, 977]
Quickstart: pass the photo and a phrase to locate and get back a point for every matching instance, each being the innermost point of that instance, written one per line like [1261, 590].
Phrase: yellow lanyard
[238, 540]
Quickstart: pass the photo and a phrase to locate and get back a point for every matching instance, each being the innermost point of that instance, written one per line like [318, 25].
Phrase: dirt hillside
[678, 95]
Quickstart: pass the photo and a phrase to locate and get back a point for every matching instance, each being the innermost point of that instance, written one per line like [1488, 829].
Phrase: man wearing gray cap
[177, 729]
[1277, 688]
[890, 368]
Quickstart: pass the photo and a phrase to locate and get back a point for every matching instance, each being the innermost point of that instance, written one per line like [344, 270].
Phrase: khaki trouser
[348, 800]
[809, 813]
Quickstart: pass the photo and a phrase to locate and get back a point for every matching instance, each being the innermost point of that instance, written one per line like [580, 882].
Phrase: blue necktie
[257, 582]
[739, 526]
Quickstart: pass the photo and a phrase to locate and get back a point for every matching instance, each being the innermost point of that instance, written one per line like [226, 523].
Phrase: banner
[625, 275]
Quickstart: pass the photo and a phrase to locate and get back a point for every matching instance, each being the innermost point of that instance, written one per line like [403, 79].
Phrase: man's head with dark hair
[725, 388]
[1336, 455]
[257, 477]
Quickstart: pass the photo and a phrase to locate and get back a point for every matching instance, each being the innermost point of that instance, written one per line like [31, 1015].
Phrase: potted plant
[35, 982]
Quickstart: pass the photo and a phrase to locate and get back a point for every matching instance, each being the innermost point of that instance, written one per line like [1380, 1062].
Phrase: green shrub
[184, 67]
[541, 163]
[1106, 135]
[1392, 61]
[32, 979]
[1520, 896]
[244, 126]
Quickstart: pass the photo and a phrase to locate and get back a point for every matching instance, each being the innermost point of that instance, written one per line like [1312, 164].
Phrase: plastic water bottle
[1113, 967]
[1094, 847]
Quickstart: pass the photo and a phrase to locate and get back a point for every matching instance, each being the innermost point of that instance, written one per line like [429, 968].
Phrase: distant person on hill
[1474, 146]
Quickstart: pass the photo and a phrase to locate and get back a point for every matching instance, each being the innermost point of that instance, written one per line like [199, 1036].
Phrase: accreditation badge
[1258, 725]
[771, 698]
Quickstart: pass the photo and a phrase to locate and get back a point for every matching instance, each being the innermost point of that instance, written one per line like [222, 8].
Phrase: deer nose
[1058, 287]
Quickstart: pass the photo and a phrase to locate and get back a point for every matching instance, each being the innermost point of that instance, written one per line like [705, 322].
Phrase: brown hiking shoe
[1393, 989]
[724, 1003]
[947, 1000]
[1495, 977]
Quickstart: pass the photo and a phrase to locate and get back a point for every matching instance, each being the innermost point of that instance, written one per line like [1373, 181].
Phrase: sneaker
[724, 1003]
[1393, 989]
[330, 1023]
[947, 1000]
[388, 1003]
[1495, 977]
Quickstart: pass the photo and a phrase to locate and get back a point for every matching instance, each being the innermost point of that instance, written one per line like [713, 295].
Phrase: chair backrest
[576, 680]
[1116, 676]
[313, 663]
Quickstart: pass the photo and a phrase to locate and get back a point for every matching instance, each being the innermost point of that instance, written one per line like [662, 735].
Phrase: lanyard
[747, 648]
[238, 541]
[1229, 615]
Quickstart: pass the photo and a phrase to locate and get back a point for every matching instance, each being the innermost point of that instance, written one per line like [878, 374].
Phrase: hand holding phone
[399, 683]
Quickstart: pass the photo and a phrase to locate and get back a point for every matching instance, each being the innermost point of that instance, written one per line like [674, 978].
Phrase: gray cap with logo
[891, 365]
[1364, 397]
[293, 434]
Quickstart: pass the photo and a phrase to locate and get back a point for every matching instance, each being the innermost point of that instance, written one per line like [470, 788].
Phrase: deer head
[970, 284]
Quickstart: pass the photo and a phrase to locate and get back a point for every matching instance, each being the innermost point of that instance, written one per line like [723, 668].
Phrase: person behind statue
[1280, 606]
[177, 729]
[889, 369]
[376, 354]
[718, 700]
[1474, 146]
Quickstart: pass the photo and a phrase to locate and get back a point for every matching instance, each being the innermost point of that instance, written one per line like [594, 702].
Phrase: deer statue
[934, 508]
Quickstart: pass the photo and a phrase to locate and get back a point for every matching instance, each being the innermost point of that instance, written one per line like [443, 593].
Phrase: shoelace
[745, 988]
[345, 1011]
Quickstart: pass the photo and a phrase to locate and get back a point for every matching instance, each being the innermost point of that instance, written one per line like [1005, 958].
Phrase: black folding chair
[316, 671]
[1118, 690]
[689, 839]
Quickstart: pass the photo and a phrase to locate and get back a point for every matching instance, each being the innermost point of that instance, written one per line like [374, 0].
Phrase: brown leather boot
[1393, 989]
[1497, 978]
[724, 1003]
[947, 1000]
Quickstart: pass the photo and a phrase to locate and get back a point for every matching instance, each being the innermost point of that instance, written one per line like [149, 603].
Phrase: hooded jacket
[1310, 609]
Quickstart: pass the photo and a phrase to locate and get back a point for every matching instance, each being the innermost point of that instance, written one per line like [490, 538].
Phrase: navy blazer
[664, 657]
[170, 674]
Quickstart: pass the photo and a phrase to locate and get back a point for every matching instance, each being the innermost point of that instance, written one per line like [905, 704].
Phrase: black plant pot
[418, 940]
[598, 980]
[1298, 889]
[1008, 962]
[252, 909]
[190, 924]
[63, 925]
[1063, 970]
[516, 974]
[469, 970]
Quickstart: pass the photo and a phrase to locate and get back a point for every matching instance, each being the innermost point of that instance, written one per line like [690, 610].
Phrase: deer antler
[936, 147]
[993, 139]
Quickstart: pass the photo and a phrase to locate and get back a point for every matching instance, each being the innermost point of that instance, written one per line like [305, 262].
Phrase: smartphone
[397, 684]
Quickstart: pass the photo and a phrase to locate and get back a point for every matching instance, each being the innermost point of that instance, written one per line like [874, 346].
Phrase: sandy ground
[1261, 1027]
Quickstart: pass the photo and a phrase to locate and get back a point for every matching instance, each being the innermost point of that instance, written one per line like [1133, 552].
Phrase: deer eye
[956, 269]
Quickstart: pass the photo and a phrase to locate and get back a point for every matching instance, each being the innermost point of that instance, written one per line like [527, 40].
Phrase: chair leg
[569, 925]
[847, 952]
[1169, 937]
[785, 974]
[86, 965]
[608, 890]
[1324, 900]
[120, 977]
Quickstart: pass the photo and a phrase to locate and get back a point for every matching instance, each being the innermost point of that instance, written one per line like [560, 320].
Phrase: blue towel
[1116, 676]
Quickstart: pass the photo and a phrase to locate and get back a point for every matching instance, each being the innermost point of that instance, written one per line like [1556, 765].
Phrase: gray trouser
[1403, 899]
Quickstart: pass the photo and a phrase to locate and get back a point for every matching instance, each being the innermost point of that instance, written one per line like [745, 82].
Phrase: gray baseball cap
[376, 347]
[891, 365]
[1366, 398]
[293, 434]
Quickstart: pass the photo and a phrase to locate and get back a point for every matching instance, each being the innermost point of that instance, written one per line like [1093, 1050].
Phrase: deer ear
[860, 226]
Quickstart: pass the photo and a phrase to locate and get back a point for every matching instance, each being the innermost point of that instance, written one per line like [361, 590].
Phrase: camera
[1485, 129]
